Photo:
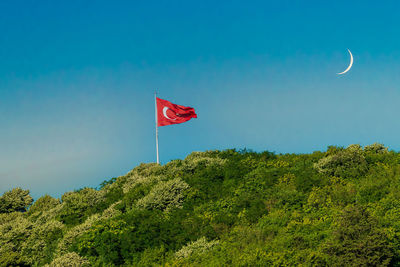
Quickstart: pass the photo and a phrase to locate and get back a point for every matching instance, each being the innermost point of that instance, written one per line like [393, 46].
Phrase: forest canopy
[340, 207]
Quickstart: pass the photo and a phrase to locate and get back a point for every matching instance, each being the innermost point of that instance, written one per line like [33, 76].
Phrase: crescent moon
[351, 64]
[164, 111]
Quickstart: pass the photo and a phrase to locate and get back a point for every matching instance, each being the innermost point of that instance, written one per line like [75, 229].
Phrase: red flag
[169, 113]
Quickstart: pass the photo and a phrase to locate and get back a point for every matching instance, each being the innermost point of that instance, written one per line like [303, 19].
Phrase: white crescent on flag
[165, 113]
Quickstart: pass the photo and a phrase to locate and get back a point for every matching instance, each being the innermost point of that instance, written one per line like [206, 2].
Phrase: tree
[376, 148]
[44, 203]
[69, 260]
[78, 205]
[347, 163]
[16, 199]
[357, 240]
[165, 195]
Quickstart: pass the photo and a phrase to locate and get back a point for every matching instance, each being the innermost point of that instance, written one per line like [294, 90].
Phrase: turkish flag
[169, 113]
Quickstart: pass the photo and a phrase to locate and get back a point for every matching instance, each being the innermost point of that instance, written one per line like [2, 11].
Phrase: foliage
[349, 162]
[357, 241]
[80, 204]
[13, 234]
[165, 195]
[219, 208]
[107, 182]
[39, 246]
[16, 199]
[44, 203]
[71, 259]
[73, 233]
[199, 246]
[376, 148]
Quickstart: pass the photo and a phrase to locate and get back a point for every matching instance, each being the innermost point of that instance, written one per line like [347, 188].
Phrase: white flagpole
[155, 103]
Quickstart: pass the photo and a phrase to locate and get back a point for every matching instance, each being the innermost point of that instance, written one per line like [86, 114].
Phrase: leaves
[165, 195]
[16, 199]
[218, 208]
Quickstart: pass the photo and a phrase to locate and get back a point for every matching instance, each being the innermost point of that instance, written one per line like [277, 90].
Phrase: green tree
[78, 205]
[165, 195]
[347, 163]
[44, 203]
[357, 240]
[13, 235]
[16, 199]
[71, 259]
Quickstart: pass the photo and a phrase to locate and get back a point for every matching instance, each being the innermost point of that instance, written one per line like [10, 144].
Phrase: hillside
[218, 208]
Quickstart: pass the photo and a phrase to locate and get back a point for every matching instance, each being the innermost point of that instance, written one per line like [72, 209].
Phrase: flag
[169, 113]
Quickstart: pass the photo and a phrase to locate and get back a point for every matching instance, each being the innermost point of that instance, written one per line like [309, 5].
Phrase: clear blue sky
[77, 81]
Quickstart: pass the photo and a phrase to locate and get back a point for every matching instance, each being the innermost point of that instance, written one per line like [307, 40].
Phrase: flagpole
[155, 104]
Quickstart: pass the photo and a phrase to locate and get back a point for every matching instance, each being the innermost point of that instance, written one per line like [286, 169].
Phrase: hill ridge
[240, 208]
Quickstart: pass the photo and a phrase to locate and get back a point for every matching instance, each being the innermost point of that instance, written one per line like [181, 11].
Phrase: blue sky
[77, 81]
